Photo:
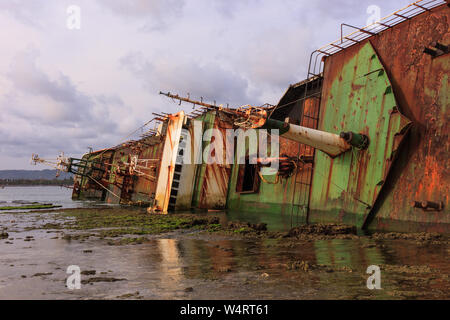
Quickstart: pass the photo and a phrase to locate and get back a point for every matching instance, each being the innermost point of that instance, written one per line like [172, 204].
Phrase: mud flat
[125, 253]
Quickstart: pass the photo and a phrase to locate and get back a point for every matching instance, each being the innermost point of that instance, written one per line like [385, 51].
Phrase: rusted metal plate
[144, 187]
[118, 183]
[421, 84]
[357, 96]
[209, 178]
[214, 186]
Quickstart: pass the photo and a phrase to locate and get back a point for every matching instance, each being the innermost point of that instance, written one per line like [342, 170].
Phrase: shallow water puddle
[33, 265]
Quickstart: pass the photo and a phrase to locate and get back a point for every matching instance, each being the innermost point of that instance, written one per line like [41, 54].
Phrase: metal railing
[418, 7]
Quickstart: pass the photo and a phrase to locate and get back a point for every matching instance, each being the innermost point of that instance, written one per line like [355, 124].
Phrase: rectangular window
[248, 179]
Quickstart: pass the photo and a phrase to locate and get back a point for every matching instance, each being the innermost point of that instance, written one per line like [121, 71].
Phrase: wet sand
[206, 261]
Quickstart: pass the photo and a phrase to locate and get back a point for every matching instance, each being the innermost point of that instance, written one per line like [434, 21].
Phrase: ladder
[303, 175]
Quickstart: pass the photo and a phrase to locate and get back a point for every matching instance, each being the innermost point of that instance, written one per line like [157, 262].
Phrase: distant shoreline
[34, 182]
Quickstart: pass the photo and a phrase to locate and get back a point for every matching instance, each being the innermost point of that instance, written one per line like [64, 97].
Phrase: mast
[250, 117]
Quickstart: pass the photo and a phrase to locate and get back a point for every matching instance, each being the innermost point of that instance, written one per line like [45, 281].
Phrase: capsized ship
[363, 140]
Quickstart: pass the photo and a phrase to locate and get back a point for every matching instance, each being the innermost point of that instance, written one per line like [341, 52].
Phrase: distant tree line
[36, 182]
[33, 174]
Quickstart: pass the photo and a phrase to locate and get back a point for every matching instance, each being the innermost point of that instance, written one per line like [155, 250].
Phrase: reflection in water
[353, 254]
[170, 264]
[227, 259]
[221, 269]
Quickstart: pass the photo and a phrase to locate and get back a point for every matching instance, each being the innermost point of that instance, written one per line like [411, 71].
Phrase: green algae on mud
[301, 233]
[30, 207]
[132, 225]
[115, 222]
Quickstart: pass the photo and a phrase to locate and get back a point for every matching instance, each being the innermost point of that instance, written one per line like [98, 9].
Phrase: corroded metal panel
[357, 96]
[210, 186]
[117, 184]
[144, 186]
[208, 123]
[214, 187]
[421, 84]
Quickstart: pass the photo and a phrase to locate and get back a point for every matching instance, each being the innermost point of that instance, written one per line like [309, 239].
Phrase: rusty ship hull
[391, 84]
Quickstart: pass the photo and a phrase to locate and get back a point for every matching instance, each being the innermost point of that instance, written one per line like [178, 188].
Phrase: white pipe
[327, 142]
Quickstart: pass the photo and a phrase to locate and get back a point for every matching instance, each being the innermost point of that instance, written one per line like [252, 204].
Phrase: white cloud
[151, 15]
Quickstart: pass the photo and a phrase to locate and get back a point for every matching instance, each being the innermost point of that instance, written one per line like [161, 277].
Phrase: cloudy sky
[65, 89]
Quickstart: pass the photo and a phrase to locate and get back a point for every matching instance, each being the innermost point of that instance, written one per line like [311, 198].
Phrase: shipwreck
[362, 141]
